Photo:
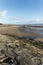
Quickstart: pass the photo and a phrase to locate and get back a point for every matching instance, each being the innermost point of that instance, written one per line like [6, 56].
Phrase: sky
[21, 11]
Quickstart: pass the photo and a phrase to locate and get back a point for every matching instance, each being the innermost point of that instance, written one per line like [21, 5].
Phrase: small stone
[17, 44]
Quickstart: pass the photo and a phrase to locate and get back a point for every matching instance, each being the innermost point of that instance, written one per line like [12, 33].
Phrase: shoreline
[14, 31]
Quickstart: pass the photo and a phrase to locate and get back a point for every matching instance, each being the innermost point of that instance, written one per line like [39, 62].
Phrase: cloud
[3, 13]
[36, 21]
[15, 19]
[26, 20]
[18, 19]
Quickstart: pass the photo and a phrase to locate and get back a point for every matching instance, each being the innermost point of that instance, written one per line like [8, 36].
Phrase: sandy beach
[14, 30]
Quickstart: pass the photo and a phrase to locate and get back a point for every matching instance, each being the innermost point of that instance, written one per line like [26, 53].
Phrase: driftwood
[9, 56]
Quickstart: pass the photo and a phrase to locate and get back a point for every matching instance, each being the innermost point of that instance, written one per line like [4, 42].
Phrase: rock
[17, 45]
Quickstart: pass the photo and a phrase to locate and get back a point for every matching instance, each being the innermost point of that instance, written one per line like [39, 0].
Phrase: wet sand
[39, 39]
[15, 31]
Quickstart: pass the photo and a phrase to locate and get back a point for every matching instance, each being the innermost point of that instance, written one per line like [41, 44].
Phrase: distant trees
[1, 24]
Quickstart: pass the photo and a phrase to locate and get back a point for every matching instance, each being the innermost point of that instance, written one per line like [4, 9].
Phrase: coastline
[15, 31]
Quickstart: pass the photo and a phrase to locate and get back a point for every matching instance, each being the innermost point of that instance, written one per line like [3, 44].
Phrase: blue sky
[21, 11]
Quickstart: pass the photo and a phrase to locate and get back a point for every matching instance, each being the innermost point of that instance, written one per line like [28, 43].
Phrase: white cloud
[18, 19]
[3, 13]
[36, 21]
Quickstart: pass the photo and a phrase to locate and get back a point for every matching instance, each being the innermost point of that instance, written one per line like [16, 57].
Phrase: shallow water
[38, 31]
